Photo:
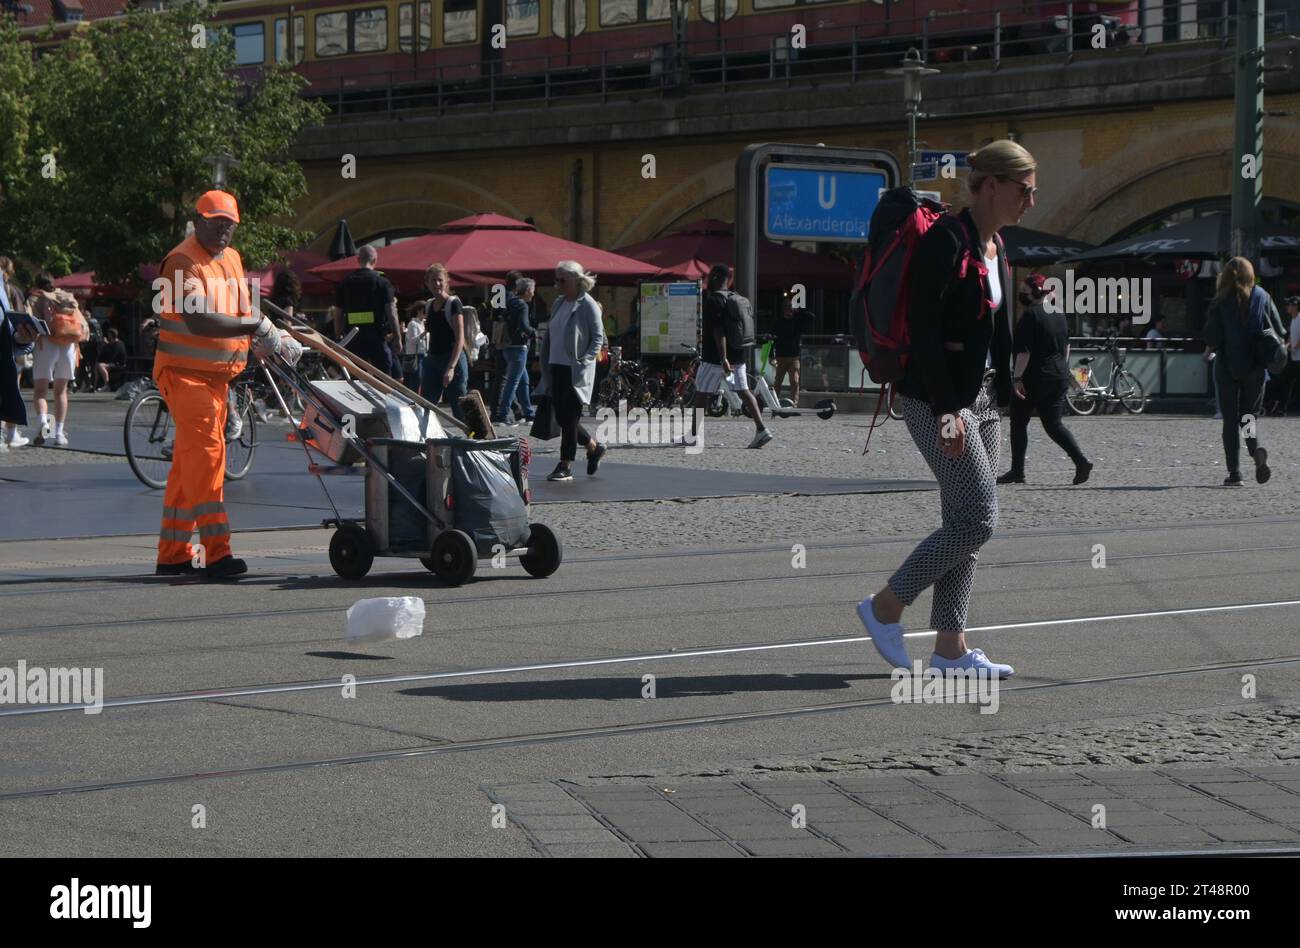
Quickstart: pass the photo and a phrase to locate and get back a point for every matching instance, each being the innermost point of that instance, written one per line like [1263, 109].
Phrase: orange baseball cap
[218, 204]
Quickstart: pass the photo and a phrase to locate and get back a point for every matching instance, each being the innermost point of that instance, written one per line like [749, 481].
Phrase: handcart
[447, 501]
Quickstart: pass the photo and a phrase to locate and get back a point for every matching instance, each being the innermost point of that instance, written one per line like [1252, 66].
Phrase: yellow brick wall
[1098, 174]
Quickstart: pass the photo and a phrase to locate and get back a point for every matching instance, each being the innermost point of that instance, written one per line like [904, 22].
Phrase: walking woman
[1233, 324]
[1040, 379]
[961, 342]
[568, 364]
[446, 370]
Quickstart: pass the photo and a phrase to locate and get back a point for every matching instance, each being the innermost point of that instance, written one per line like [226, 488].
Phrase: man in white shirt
[415, 347]
[1291, 380]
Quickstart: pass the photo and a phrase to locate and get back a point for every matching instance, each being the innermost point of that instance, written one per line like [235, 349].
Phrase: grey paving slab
[690, 850]
[792, 847]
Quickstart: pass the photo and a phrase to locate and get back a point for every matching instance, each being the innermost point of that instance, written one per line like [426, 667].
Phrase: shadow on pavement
[629, 687]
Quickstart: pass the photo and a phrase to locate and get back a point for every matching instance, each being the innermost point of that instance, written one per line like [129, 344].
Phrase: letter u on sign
[826, 203]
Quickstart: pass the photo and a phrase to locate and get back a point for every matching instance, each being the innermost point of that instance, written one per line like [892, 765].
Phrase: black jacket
[946, 309]
[518, 328]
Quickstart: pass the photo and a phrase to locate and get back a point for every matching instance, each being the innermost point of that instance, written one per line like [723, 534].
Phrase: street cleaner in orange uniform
[206, 328]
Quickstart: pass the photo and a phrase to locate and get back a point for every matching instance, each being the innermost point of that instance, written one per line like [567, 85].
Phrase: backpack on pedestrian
[881, 302]
[737, 320]
[1269, 349]
[67, 325]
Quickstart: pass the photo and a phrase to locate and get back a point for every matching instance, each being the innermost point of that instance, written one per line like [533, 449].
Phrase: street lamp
[913, 71]
[219, 165]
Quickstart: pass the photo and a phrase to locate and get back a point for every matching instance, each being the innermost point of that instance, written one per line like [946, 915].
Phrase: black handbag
[545, 427]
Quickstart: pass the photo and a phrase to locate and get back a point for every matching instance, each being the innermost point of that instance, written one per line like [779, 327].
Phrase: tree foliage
[121, 118]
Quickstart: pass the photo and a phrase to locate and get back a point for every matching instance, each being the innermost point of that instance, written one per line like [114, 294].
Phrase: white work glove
[290, 349]
[266, 339]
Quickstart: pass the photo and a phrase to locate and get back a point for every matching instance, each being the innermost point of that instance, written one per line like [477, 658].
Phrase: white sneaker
[18, 440]
[887, 637]
[760, 439]
[59, 440]
[974, 658]
[234, 426]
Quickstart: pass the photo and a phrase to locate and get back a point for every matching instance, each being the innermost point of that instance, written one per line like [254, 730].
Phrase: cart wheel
[544, 552]
[351, 551]
[454, 557]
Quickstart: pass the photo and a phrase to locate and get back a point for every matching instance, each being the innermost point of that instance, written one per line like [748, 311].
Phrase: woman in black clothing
[446, 370]
[960, 349]
[1040, 378]
[1238, 314]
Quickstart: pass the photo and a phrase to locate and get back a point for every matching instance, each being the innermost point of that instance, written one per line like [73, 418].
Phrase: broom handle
[358, 366]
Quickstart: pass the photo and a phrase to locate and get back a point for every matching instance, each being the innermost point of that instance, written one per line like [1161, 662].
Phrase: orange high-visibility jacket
[190, 270]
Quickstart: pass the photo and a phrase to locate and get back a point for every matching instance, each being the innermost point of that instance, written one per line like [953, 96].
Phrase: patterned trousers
[968, 495]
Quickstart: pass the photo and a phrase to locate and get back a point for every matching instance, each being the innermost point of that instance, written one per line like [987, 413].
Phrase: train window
[565, 12]
[709, 9]
[619, 12]
[768, 4]
[331, 34]
[523, 17]
[459, 21]
[370, 30]
[404, 30]
[250, 43]
[299, 38]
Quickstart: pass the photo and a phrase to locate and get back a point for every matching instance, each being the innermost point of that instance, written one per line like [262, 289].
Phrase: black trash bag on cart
[408, 528]
[487, 502]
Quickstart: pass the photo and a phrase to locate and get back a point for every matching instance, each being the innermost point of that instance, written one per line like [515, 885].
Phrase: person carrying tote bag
[567, 355]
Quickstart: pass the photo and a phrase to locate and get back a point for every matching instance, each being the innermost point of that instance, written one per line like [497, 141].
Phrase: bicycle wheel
[148, 437]
[605, 395]
[1130, 392]
[1080, 402]
[240, 450]
[649, 393]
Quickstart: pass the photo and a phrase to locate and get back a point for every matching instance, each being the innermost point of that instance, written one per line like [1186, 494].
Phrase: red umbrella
[301, 262]
[688, 252]
[482, 249]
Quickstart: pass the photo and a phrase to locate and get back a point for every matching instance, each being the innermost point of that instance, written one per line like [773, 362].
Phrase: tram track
[541, 738]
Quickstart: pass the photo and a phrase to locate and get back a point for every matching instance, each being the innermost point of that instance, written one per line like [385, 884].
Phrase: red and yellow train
[370, 43]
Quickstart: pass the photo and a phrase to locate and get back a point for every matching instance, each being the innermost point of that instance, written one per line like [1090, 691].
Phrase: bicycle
[1084, 395]
[628, 382]
[149, 438]
[682, 394]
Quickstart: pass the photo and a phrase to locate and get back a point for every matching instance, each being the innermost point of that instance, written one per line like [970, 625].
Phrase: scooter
[727, 397]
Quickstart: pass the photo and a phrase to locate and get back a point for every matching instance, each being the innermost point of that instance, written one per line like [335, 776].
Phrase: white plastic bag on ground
[389, 617]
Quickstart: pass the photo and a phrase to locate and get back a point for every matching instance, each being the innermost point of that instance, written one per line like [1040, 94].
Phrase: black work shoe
[1012, 477]
[1262, 472]
[175, 569]
[1233, 479]
[561, 473]
[227, 567]
[593, 459]
[1082, 472]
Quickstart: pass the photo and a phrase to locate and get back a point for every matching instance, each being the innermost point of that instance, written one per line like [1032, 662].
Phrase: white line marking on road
[613, 660]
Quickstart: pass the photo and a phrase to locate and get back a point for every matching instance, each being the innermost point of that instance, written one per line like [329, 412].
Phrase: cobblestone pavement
[1024, 814]
[1268, 736]
[1150, 469]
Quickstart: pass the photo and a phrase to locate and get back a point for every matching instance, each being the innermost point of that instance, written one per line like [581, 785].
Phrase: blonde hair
[436, 268]
[999, 159]
[1237, 275]
[585, 280]
[6, 267]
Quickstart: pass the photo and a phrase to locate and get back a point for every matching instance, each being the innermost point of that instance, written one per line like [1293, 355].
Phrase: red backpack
[880, 306]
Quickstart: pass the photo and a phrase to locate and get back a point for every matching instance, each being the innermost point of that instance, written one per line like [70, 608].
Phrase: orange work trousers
[195, 485]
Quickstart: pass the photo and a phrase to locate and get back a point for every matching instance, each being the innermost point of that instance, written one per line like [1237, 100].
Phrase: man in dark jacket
[519, 333]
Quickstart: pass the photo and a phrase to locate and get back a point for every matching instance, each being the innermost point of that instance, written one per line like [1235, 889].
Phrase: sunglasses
[1026, 192]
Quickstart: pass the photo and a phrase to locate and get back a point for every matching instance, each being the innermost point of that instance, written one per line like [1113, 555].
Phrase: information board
[670, 317]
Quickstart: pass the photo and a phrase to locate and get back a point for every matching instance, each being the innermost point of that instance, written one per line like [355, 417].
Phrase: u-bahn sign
[820, 202]
[804, 192]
